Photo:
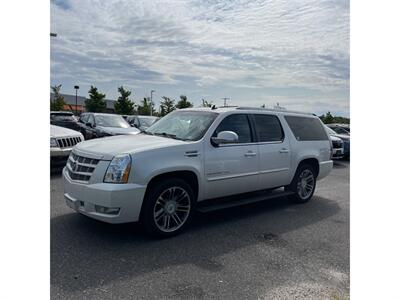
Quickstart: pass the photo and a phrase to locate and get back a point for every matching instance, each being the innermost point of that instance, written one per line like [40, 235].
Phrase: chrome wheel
[305, 185]
[172, 209]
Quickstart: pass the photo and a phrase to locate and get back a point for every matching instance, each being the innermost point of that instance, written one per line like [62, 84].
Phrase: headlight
[53, 142]
[118, 170]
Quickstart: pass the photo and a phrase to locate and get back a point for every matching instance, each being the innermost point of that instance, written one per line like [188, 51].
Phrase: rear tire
[303, 184]
[168, 208]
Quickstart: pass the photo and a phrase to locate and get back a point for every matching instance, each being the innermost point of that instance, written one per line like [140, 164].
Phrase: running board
[245, 199]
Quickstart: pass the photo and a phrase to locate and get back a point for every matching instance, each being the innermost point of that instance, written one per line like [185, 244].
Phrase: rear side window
[268, 128]
[306, 129]
[237, 123]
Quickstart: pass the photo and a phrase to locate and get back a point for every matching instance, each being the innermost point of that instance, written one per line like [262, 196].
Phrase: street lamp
[151, 102]
[76, 87]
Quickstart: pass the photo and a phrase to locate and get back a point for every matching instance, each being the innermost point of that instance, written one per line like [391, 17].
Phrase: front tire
[168, 207]
[303, 184]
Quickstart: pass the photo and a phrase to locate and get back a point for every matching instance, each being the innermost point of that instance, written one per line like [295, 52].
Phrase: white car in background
[62, 140]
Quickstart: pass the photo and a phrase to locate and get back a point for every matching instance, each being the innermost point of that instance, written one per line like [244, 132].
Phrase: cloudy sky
[254, 52]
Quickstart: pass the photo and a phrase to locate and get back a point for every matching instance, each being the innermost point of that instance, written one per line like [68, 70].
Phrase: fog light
[107, 210]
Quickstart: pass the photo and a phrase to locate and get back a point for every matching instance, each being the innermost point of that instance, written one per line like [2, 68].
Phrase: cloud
[254, 46]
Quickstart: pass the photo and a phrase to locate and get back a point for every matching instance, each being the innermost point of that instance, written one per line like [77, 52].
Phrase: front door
[232, 168]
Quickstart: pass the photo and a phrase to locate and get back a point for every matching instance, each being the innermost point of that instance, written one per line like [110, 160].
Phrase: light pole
[76, 87]
[225, 98]
[151, 102]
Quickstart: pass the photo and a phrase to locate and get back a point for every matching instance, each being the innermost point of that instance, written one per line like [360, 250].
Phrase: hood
[343, 137]
[106, 148]
[118, 130]
[57, 131]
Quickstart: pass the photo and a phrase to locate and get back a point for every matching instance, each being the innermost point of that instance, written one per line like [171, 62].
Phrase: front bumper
[86, 198]
[60, 152]
[337, 153]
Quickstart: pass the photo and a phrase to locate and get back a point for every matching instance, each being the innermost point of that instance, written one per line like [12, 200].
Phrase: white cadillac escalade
[160, 176]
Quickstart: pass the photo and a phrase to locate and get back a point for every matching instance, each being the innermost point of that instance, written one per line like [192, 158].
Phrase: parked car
[64, 119]
[159, 177]
[340, 129]
[337, 147]
[141, 122]
[95, 125]
[345, 138]
[62, 140]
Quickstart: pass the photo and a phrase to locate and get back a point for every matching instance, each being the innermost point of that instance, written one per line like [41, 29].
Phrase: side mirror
[225, 137]
[88, 124]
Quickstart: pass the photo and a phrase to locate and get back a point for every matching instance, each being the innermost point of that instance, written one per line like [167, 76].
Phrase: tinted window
[90, 119]
[306, 129]
[268, 128]
[84, 118]
[238, 124]
[63, 117]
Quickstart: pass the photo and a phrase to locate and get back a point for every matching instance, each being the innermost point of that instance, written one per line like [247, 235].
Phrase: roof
[248, 109]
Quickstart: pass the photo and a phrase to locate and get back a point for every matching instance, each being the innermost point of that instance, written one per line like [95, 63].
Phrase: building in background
[70, 103]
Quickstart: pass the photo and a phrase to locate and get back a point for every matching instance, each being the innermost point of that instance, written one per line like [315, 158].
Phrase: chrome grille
[81, 168]
[68, 142]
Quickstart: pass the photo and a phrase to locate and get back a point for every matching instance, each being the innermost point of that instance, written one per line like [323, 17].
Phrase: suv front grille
[68, 141]
[81, 168]
[337, 144]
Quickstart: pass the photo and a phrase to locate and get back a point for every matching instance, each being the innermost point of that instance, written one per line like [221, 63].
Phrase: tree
[166, 106]
[183, 103]
[124, 105]
[206, 103]
[145, 108]
[96, 102]
[58, 100]
[328, 118]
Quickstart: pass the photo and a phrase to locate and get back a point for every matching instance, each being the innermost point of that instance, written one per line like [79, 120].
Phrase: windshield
[111, 121]
[330, 131]
[340, 130]
[183, 125]
[147, 121]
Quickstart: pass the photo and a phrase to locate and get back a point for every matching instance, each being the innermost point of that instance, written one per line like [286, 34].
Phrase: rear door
[232, 168]
[274, 151]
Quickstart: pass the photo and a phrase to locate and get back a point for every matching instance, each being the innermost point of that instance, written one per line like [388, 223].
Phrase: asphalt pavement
[268, 250]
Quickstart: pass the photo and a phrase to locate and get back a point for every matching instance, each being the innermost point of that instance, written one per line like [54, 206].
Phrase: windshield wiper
[146, 132]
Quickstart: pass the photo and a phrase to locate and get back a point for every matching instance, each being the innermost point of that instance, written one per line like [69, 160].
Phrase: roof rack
[273, 109]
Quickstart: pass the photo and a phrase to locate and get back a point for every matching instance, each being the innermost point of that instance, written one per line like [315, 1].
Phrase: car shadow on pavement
[86, 253]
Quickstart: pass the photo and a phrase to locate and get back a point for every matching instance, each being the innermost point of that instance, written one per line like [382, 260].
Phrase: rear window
[306, 129]
[63, 117]
[268, 128]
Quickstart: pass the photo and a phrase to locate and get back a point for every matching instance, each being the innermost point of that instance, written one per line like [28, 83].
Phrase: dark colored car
[340, 129]
[64, 119]
[141, 122]
[345, 138]
[95, 125]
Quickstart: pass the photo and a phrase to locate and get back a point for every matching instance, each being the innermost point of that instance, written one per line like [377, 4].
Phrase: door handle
[284, 150]
[250, 153]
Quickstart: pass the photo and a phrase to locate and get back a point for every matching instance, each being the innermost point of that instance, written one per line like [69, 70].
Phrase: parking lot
[268, 250]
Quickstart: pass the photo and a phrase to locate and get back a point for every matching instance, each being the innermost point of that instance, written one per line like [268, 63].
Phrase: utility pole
[76, 87]
[151, 102]
[225, 98]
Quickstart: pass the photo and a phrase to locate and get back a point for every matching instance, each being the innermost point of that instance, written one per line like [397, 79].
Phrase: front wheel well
[312, 162]
[188, 176]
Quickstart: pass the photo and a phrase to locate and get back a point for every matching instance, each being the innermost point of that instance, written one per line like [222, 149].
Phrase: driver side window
[239, 124]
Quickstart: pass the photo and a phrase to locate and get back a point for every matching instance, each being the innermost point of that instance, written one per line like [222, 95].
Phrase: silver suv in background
[162, 175]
